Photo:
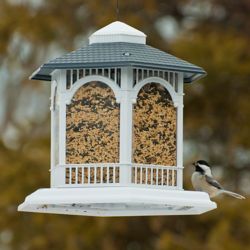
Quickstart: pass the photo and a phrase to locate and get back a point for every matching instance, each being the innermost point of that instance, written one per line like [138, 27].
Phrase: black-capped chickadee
[202, 180]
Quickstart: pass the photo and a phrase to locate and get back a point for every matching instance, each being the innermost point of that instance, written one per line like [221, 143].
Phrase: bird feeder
[117, 130]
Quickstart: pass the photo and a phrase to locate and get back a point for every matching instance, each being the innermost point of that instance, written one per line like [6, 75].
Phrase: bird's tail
[235, 195]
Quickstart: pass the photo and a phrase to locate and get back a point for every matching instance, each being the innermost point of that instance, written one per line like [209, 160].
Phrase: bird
[203, 180]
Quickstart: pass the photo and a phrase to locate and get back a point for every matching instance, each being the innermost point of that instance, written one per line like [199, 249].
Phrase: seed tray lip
[117, 201]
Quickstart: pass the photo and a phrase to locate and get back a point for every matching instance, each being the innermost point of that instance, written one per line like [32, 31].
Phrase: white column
[58, 174]
[54, 150]
[126, 123]
[62, 117]
[180, 132]
[52, 129]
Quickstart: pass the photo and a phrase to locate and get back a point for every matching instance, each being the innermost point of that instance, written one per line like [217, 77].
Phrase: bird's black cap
[202, 162]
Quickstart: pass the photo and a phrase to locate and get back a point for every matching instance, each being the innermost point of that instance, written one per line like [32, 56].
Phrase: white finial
[118, 32]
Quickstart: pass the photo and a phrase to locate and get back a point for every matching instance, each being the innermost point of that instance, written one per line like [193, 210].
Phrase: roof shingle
[119, 54]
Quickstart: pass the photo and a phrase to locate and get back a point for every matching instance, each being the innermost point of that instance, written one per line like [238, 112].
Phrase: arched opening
[154, 128]
[92, 125]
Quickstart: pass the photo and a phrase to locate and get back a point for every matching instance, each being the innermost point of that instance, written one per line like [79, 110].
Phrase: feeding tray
[119, 201]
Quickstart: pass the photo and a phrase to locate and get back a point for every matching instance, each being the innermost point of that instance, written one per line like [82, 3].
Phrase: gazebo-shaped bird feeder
[117, 130]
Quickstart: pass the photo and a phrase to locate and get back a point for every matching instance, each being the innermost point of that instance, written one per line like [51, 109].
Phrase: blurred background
[214, 34]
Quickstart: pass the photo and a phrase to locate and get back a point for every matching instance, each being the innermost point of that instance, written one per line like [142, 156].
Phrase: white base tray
[117, 201]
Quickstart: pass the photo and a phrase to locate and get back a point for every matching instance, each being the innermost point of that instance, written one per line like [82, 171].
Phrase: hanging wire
[117, 10]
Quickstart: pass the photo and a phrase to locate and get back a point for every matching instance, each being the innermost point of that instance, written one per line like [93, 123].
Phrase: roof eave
[194, 77]
[41, 77]
[40, 74]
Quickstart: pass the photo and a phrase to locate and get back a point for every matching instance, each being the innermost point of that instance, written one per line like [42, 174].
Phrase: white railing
[154, 175]
[87, 174]
[111, 174]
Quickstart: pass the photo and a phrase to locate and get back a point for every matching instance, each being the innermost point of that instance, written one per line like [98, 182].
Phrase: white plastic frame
[126, 95]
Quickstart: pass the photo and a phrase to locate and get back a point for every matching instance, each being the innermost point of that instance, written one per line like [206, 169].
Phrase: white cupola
[117, 130]
[118, 32]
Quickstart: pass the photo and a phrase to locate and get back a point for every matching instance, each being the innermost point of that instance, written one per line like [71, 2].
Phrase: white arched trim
[159, 80]
[93, 78]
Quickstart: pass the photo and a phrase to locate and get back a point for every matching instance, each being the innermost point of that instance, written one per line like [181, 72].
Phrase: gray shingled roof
[121, 54]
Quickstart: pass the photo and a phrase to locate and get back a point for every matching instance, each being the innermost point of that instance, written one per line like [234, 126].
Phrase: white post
[52, 140]
[126, 123]
[55, 78]
[62, 117]
[180, 132]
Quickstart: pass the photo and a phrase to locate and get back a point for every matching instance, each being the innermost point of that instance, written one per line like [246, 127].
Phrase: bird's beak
[194, 164]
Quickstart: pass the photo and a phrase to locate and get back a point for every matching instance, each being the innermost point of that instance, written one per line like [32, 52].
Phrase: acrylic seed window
[116, 125]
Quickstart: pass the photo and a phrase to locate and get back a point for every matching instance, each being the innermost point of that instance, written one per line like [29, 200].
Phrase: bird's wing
[213, 182]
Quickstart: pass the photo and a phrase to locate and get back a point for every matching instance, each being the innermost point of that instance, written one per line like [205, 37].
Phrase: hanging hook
[117, 10]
